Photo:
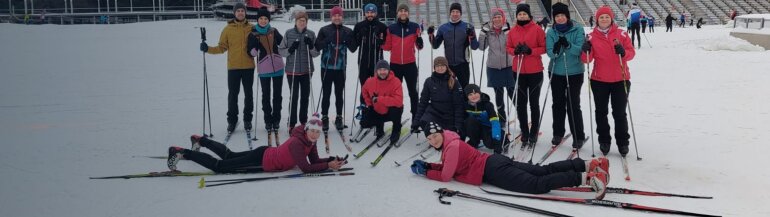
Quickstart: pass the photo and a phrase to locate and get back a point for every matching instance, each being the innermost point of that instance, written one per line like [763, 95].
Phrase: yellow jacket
[233, 40]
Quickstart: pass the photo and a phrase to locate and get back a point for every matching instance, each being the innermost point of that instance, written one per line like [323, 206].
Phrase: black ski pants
[230, 161]
[377, 120]
[635, 34]
[603, 93]
[235, 78]
[336, 78]
[529, 93]
[500, 93]
[477, 132]
[462, 72]
[510, 175]
[301, 93]
[566, 103]
[408, 72]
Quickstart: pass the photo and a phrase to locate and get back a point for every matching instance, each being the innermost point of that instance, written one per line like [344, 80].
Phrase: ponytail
[452, 78]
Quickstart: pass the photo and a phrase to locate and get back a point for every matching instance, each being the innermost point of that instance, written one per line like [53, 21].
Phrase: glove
[419, 43]
[619, 50]
[254, 52]
[560, 44]
[309, 42]
[517, 50]
[496, 130]
[415, 128]
[485, 28]
[204, 47]
[294, 47]
[431, 30]
[470, 33]
[525, 49]
[586, 47]
[379, 40]
[419, 167]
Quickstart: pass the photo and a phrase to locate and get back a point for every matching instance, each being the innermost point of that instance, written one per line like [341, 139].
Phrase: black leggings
[231, 161]
[272, 113]
[300, 93]
[566, 103]
[408, 73]
[510, 175]
[331, 77]
[500, 103]
[529, 92]
[374, 119]
[462, 72]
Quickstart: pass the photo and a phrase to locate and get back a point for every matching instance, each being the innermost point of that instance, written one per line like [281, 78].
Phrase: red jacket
[401, 42]
[458, 160]
[294, 152]
[606, 62]
[389, 93]
[534, 37]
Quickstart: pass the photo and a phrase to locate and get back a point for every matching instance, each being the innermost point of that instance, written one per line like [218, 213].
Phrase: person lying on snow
[299, 150]
[468, 165]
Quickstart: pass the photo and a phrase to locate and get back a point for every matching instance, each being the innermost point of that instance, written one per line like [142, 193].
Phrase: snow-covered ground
[81, 101]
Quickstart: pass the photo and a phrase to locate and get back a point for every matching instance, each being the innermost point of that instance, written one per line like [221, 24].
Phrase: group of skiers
[449, 109]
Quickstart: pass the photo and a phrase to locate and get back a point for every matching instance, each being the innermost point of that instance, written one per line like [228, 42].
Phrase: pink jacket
[294, 152]
[607, 64]
[458, 160]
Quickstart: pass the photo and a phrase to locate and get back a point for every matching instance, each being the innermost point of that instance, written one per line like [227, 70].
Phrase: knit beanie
[456, 6]
[402, 6]
[314, 123]
[561, 8]
[523, 7]
[432, 128]
[335, 11]
[239, 6]
[440, 60]
[370, 8]
[472, 88]
[382, 64]
[262, 12]
[300, 14]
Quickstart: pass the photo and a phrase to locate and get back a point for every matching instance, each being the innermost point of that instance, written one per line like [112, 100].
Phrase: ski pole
[571, 109]
[292, 86]
[206, 99]
[542, 111]
[470, 52]
[648, 40]
[483, 56]
[516, 92]
[590, 101]
[398, 164]
[628, 101]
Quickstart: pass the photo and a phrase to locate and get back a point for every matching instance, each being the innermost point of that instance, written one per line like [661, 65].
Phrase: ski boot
[195, 142]
[605, 148]
[623, 149]
[598, 182]
[394, 137]
[174, 155]
[247, 125]
[578, 143]
[338, 123]
[600, 164]
[325, 120]
[231, 127]
[556, 140]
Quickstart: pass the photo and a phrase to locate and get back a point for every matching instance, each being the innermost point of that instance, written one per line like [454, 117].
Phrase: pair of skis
[382, 139]
[609, 203]
[525, 149]
[398, 164]
[402, 139]
[203, 183]
[175, 173]
[273, 133]
[553, 149]
[342, 137]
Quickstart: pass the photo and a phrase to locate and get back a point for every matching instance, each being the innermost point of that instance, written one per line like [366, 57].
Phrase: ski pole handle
[203, 33]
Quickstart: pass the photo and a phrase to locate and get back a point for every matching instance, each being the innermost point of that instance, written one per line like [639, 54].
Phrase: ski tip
[397, 164]
[628, 178]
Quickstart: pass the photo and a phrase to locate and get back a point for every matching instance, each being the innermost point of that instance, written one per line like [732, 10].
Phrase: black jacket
[364, 37]
[440, 104]
[669, 20]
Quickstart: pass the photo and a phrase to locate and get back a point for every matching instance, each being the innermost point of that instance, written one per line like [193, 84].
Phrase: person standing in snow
[526, 42]
[299, 50]
[563, 46]
[402, 38]
[651, 23]
[465, 164]
[333, 39]
[499, 70]
[240, 67]
[669, 23]
[700, 22]
[610, 49]
[384, 100]
[681, 20]
[263, 44]
[458, 36]
[643, 23]
[368, 36]
[634, 17]
[441, 99]
[298, 151]
[481, 122]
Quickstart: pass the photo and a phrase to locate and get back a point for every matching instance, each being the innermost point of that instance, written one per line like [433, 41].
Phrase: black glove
[415, 128]
[525, 49]
[619, 50]
[470, 33]
[419, 43]
[204, 47]
[562, 43]
[431, 30]
[517, 50]
[309, 42]
[379, 40]
[485, 28]
[586, 47]
[294, 47]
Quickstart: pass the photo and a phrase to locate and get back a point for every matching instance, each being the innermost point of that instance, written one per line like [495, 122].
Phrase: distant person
[733, 14]
[643, 23]
[635, 16]
[700, 22]
[591, 21]
[651, 23]
[681, 20]
[544, 22]
[669, 23]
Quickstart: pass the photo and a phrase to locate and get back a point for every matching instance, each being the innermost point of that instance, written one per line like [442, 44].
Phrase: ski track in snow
[81, 100]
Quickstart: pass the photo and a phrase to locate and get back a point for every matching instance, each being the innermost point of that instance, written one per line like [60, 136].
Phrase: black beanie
[523, 7]
[560, 8]
[239, 6]
[472, 88]
[382, 64]
[262, 12]
[432, 128]
[456, 6]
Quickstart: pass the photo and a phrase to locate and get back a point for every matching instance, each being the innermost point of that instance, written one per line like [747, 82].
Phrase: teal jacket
[576, 37]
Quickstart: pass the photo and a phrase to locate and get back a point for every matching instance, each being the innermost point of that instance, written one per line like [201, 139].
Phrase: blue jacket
[576, 37]
[456, 41]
